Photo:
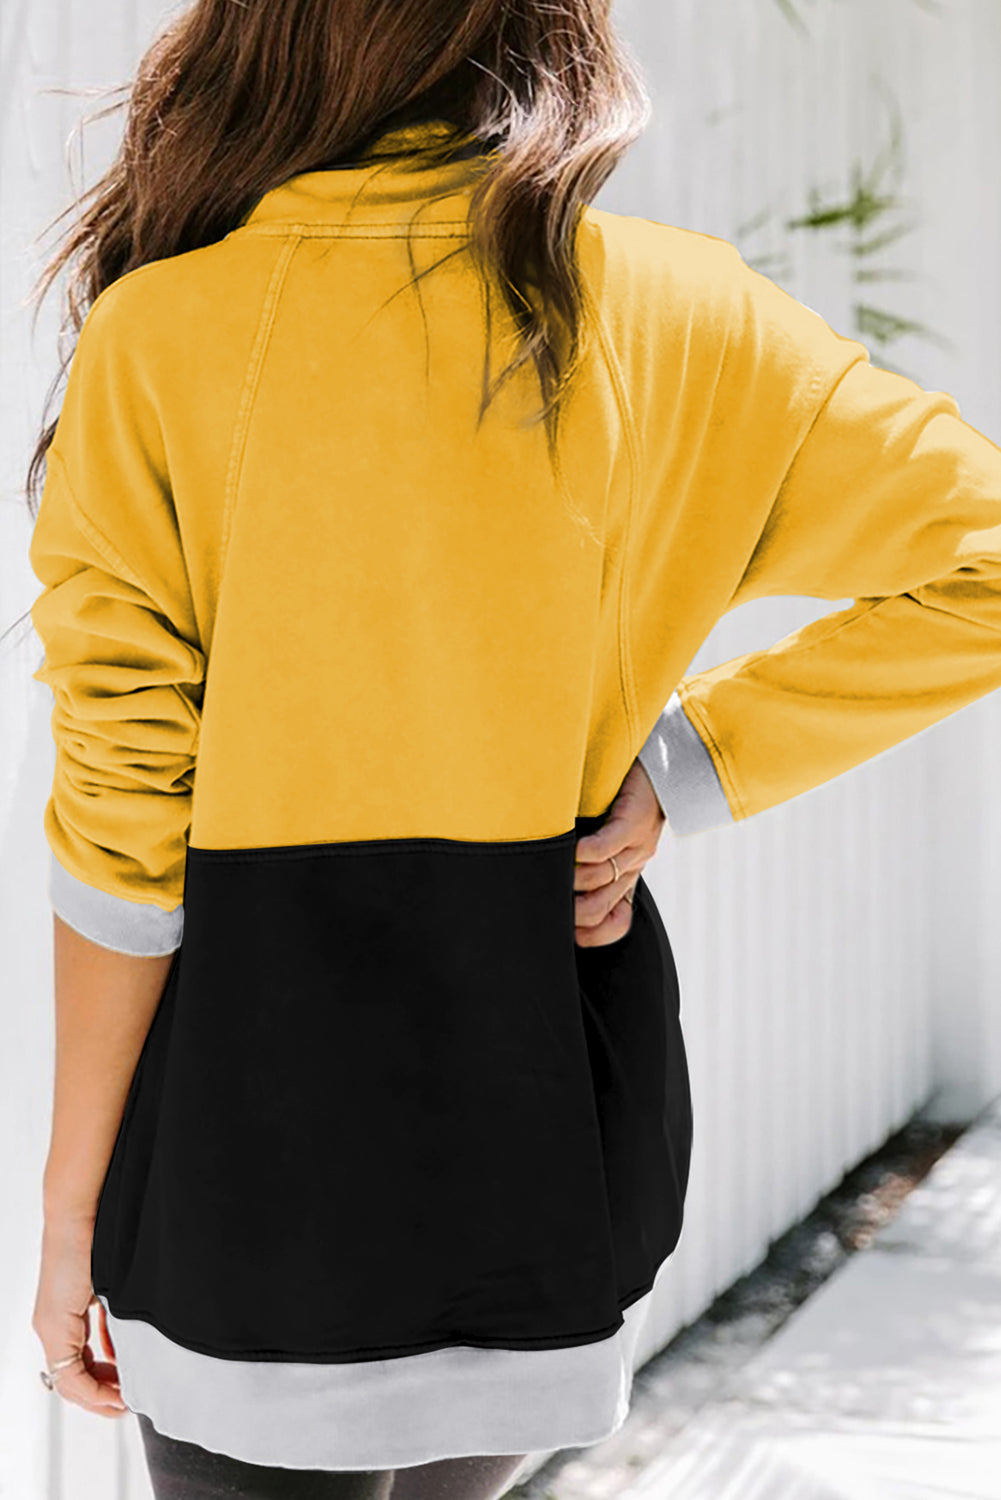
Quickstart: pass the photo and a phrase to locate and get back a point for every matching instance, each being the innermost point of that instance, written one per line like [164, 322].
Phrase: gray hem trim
[112, 921]
[380, 1413]
[684, 776]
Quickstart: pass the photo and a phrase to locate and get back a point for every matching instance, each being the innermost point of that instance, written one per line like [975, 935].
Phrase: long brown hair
[545, 86]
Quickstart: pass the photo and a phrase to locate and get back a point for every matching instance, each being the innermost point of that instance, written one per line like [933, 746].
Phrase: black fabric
[180, 1470]
[388, 1105]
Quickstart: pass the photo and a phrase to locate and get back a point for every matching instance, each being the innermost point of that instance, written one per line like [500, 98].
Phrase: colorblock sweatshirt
[340, 674]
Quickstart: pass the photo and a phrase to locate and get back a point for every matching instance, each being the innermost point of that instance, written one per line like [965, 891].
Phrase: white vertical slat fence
[825, 998]
[837, 960]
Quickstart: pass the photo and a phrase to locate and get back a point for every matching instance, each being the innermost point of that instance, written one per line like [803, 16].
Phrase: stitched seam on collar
[376, 229]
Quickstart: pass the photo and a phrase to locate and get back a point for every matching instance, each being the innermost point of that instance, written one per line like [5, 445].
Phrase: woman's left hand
[61, 1317]
[610, 861]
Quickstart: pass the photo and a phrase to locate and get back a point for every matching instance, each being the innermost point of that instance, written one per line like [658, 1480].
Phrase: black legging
[184, 1471]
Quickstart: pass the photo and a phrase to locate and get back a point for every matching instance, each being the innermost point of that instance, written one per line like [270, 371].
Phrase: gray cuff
[111, 921]
[684, 776]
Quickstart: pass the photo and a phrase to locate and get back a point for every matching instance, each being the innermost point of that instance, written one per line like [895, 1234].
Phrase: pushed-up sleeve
[122, 655]
[890, 499]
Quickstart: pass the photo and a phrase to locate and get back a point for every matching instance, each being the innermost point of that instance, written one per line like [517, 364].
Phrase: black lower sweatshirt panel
[388, 1105]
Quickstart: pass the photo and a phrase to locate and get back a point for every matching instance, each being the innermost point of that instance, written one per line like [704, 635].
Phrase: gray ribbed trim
[111, 921]
[380, 1413]
[679, 764]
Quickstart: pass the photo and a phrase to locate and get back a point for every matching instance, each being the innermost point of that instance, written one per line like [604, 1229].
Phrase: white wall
[838, 966]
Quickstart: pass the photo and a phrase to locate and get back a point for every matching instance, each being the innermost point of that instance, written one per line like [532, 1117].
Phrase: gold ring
[615, 867]
[48, 1377]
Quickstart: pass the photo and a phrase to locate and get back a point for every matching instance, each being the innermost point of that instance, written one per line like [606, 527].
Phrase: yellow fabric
[127, 683]
[268, 464]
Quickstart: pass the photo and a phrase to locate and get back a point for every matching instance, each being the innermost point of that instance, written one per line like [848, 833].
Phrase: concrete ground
[884, 1383]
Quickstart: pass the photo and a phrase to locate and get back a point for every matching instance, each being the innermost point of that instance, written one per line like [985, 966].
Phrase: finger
[102, 1327]
[617, 833]
[78, 1385]
[592, 907]
[599, 877]
[86, 1382]
[628, 818]
[615, 925]
[104, 1372]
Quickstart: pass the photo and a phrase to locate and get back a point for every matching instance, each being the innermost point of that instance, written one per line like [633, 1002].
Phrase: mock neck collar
[378, 187]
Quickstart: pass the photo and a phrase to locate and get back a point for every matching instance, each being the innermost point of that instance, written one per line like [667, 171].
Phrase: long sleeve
[121, 656]
[890, 499]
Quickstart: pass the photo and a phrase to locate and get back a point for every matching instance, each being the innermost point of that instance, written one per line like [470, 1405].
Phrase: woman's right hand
[61, 1316]
[603, 904]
